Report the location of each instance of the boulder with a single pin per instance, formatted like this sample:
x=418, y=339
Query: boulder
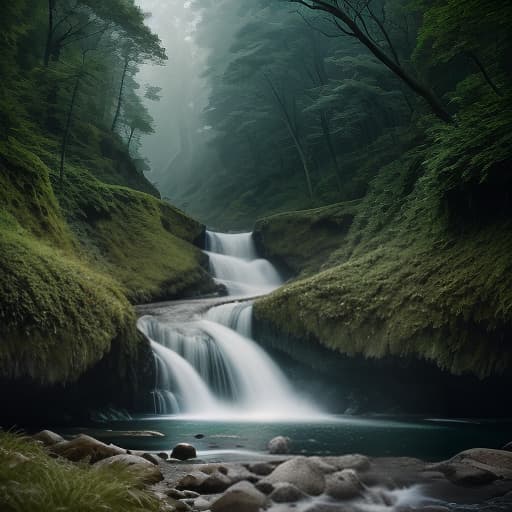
x=241, y=497
x=279, y=445
x=192, y=481
x=343, y=485
x=287, y=493
x=48, y=438
x=355, y=461
x=163, y=455
x=144, y=470
x=302, y=473
x=83, y=446
x=264, y=487
x=477, y=466
x=261, y=468
x=183, y=451
x=215, y=483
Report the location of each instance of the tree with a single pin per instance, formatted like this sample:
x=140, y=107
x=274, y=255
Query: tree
x=352, y=19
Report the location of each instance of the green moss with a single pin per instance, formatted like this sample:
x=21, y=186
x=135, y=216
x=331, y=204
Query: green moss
x=303, y=240
x=424, y=271
x=59, y=317
x=32, y=481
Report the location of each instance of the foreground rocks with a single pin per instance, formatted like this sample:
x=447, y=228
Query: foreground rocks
x=480, y=479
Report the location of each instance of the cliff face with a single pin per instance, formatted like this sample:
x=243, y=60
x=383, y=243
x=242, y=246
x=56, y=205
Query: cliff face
x=73, y=258
x=424, y=271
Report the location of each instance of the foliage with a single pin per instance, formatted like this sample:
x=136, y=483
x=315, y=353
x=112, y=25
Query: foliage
x=32, y=481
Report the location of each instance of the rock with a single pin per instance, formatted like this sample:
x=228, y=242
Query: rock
x=84, y=446
x=191, y=494
x=508, y=447
x=201, y=504
x=179, y=506
x=143, y=469
x=163, y=455
x=176, y=494
x=287, y=493
x=279, y=445
x=261, y=468
x=48, y=438
x=356, y=461
x=191, y=481
x=264, y=487
x=239, y=473
x=183, y=451
x=477, y=466
x=343, y=485
x=199, y=436
x=241, y=497
x=150, y=457
x=302, y=473
x=214, y=483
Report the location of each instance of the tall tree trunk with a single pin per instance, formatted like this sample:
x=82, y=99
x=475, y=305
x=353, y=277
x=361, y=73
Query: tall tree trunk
x=291, y=130
x=484, y=72
x=324, y=123
x=49, y=36
x=355, y=31
x=68, y=127
x=120, y=96
x=132, y=131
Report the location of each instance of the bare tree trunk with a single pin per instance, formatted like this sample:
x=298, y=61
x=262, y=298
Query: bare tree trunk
x=355, y=31
x=49, y=36
x=120, y=96
x=486, y=76
x=68, y=127
x=291, y=130
x=132, y=131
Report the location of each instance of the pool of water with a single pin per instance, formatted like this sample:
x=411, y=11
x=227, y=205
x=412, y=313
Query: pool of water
x=223, y=439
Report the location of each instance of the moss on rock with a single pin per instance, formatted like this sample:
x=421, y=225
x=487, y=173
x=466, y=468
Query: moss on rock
x=425, y=270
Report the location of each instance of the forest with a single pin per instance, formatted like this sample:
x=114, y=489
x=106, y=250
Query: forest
x=256, y=255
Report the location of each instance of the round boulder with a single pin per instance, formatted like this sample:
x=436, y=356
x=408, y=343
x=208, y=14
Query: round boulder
x=48, y=438
x=279, y=445
x=241, y=497
x=343, y=485
x=183, y=451
x=144, y=470
x=287, y=493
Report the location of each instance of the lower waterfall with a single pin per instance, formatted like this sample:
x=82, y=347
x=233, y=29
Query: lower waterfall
x=210, y=366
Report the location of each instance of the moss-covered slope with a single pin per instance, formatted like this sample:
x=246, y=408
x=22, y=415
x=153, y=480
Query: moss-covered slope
x=72, y=257
x=426, y=268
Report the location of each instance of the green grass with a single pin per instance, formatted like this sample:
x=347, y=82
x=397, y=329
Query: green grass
x=43, y=484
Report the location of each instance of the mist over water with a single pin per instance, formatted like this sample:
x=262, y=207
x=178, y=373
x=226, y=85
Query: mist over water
x=209, y=367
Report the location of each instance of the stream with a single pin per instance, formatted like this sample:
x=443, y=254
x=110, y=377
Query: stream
x=218, y=389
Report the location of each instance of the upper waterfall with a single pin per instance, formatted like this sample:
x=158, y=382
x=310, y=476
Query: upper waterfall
x=235, y=264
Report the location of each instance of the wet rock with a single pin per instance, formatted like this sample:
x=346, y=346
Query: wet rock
x=143, y=469
x=183, y=451
x=279, y=445
x=176, y=494
x=356, y=461
x=287, y=493
x=343, y=485
x=261, y=468
x=191, y=494
x=201, y=504
x=199, y=436
x=239, y=473
x=163, y=455
x=191, y=481
x=477, y=466
x=179, y=506
x=241, y=497
x=150, y=457
x=84, y=446
x=302, y=473
x=264, y=487
x=215, y=483
x=48, y=438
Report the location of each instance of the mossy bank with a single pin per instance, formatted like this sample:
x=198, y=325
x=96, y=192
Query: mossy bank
x=75, y=255
x=424, y=270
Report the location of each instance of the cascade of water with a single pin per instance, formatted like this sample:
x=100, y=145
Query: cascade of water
x=211, y=366
x=234, y=263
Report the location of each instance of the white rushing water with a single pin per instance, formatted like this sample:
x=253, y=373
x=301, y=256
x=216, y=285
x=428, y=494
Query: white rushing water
x=210, y=367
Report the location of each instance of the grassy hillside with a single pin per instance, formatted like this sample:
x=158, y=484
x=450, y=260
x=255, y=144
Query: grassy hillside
x=425, y=269
x=72, y=258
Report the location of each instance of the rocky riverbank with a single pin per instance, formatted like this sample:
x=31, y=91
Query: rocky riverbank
x=474, y=480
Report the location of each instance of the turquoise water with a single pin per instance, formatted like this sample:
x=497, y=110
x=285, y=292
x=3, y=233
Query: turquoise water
x=430, y=439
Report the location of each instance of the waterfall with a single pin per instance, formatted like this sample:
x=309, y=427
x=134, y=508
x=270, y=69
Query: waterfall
x=209, y=366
